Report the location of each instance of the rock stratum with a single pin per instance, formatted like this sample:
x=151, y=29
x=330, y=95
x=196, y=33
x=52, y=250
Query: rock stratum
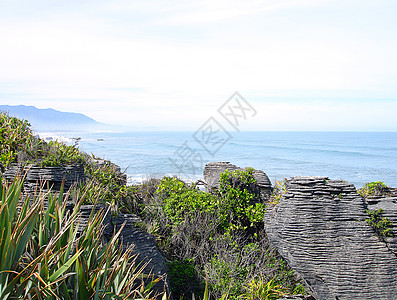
x=319, y=228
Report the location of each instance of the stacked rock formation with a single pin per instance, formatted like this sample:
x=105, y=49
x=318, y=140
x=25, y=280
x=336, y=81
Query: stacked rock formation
x=144, y=247
x=51, y=177
x=213, y=170
x=319, y=228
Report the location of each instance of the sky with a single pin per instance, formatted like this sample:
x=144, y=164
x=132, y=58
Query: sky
x=170, y=65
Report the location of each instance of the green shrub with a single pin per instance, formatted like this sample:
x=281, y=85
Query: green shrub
x=56, y=154
x=381, y=225
x=377, y=188
x=234, y=203
x=217, y=233
x=180, y=201
x=259, y=289
x=236, y=206
x=19, y=145
x=184, y=279
x=227, y=275
x=14, y=135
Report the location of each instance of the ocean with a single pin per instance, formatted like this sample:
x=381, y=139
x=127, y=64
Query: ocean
x=357, y=157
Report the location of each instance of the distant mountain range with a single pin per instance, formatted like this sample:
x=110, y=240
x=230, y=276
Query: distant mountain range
x=54, y=120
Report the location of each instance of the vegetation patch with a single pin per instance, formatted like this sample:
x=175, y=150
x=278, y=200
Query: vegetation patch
x=42, y=256
x=377, y=188
x=381, y=225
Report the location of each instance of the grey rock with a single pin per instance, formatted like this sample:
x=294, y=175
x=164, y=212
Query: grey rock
x=52, y=177
x=323, y=236
x=144, y=247
x=213, y=170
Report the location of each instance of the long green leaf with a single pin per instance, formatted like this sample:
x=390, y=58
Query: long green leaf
x=66, y=266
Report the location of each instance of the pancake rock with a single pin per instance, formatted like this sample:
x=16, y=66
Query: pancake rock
x=36, y=176
x=319, y=228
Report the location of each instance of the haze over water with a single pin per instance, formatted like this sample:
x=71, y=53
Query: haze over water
x=357, y=157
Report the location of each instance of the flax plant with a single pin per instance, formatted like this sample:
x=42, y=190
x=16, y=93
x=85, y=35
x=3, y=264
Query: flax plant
x=44, y=255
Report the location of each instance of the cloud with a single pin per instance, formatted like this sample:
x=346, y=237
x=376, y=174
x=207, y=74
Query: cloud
x=113, y=59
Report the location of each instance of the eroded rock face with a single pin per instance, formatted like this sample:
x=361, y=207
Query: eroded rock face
x=145, y=248
x=36, y=177
x=319, y=228
x=213, y=170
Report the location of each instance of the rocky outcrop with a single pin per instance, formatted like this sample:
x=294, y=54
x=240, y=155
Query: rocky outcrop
x=47, y=177
x=145, y=248
x=213, y=170
x=319, y=228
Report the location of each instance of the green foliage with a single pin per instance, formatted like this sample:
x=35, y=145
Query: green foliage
x=108, y=185
x=17, y=141
x=227, y=275
x=381, y=225
x=233, y=204
x=41, y=256
x=184, y=279
x=180, y=200
x=216, y=233
x=57, y=154
x=231, y=273
x=259, y=289
x=377, y=188
x=14, y=134
x=278, y=191
x=236, y=207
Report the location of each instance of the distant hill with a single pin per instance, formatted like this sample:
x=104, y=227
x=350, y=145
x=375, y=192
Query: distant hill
x=51, y=119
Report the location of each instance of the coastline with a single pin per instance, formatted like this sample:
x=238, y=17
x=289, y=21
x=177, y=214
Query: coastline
x=357, y=157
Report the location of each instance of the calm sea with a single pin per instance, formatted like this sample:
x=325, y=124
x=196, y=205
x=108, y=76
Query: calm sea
x=357, y=157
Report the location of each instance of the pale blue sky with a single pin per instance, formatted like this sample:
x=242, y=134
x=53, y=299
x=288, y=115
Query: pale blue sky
x=303, y=65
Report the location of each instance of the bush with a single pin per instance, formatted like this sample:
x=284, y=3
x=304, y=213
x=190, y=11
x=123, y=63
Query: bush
x=220, y=234
x=56, y=154
x=14, y=135
x=377, y=188
x=180, y=201
x=236, y=206
x=184, y=279
x=234, y=203
x=381, y=225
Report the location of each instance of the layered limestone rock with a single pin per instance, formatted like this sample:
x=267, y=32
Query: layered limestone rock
x=213, y=170
x=319, y=228
x=52, y=177
x=145, y=248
